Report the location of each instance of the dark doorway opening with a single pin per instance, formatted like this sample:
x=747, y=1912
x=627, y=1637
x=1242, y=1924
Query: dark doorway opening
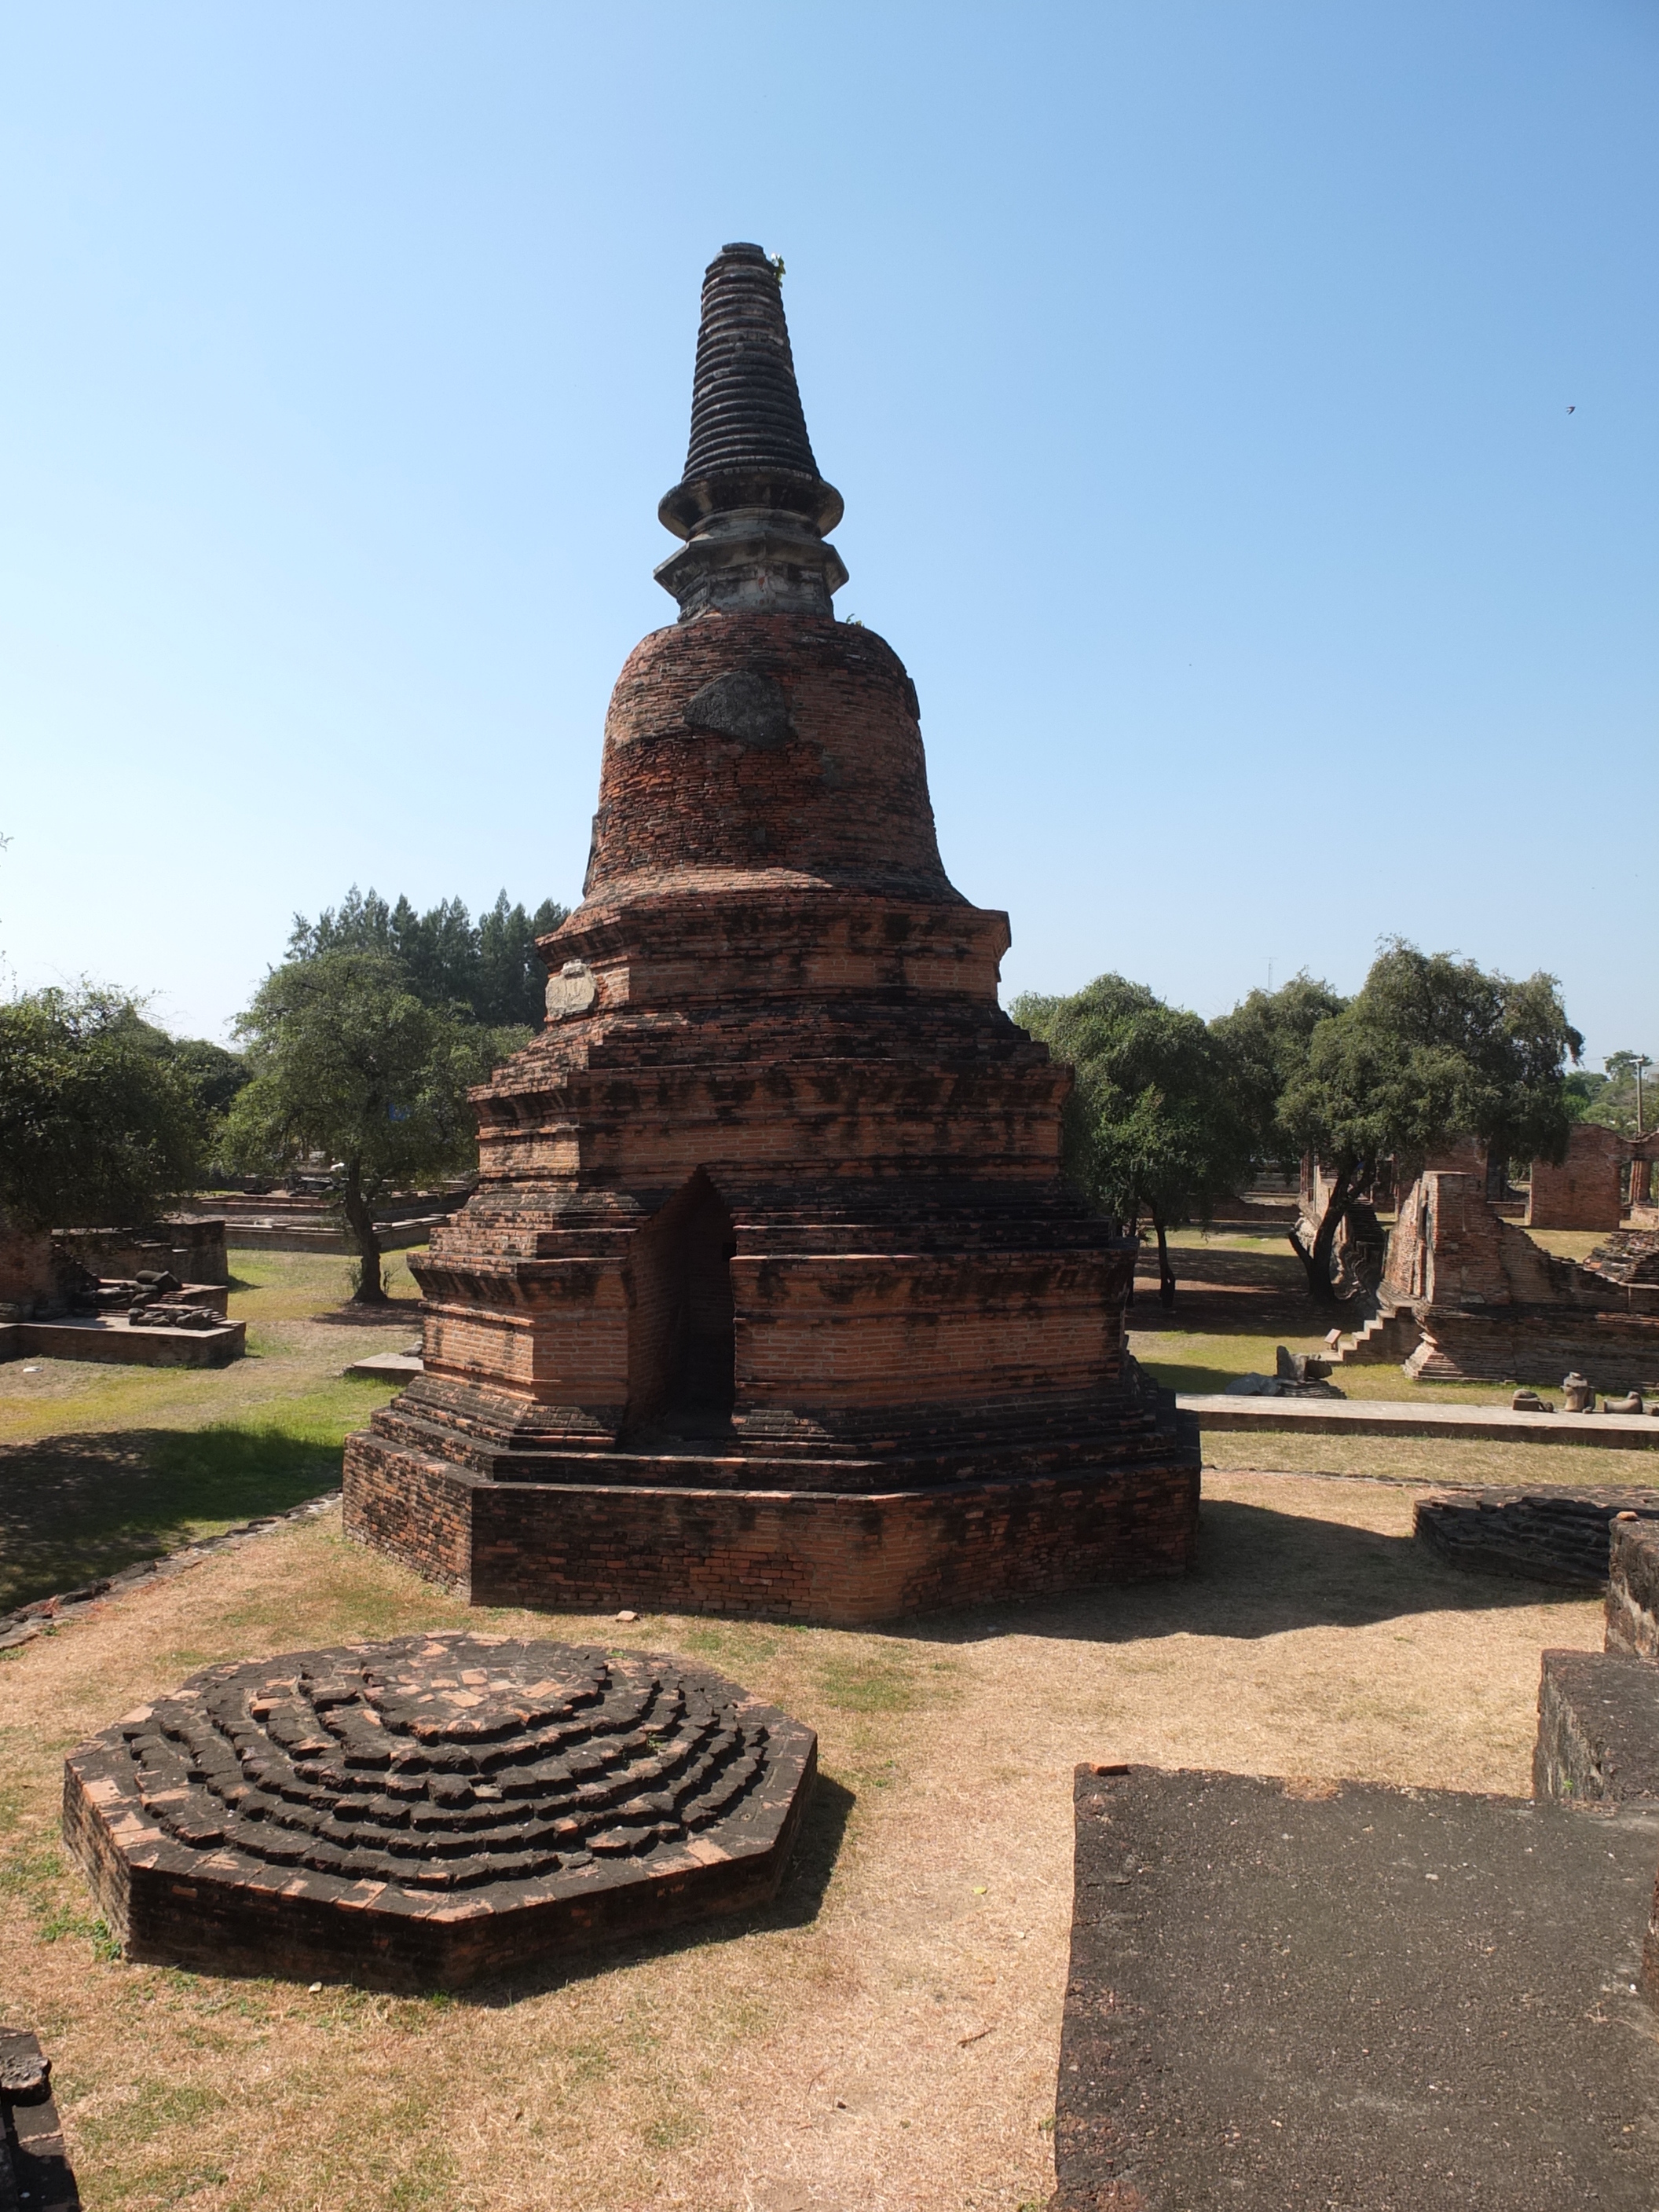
x=682, y=1342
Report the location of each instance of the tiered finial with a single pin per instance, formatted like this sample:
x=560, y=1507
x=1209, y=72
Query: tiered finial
x=752, y=507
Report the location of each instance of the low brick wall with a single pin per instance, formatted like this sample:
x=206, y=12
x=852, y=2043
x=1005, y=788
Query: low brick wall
x=844, y=1560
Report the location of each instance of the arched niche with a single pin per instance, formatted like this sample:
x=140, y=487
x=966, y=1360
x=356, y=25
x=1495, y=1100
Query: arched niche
x=680, y=1337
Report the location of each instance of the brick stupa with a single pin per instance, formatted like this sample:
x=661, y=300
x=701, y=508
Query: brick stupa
x=770, y=1299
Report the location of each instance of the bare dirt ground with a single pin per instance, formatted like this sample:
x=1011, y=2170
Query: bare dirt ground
x=884, y=2039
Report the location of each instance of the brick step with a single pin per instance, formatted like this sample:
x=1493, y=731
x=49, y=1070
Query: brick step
x=1089, y=1451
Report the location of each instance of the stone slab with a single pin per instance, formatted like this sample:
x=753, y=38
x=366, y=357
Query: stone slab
x=1306, y=1996
x=387, y=1367
x=1598, y=1729
x=1470, y=1424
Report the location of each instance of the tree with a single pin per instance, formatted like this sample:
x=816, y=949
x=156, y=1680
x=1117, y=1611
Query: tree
x=1264, y=1043
x=348, y=1061
x=1625, y=1102
x=1431, y=1051
x=490, y=967
x=1152, y=1125
x=98, y=1127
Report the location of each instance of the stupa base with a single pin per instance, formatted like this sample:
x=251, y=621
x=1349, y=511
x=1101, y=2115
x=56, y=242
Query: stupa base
x=584, y=1543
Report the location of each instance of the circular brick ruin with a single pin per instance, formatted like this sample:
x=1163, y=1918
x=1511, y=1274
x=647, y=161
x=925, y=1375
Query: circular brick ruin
x=421, y=1812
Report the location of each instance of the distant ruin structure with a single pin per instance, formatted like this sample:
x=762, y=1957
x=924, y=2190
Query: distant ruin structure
x=770, y=1299
x=1487, y=1303
x=1586, y=1190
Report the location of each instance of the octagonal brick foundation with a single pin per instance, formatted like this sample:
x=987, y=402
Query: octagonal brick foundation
x=423, y=1813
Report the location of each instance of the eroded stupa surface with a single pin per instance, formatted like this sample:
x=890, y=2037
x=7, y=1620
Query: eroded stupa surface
x=419, y=1813
x=771, y=1298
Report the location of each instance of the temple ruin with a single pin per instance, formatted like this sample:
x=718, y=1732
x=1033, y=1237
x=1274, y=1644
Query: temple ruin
x=770, y=1299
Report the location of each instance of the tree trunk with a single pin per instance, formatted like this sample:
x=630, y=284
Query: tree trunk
x=359, y=1220
x=1166, y=1282
x=1317, y=1262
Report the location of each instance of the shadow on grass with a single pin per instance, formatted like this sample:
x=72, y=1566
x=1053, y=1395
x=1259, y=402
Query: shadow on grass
x=1190, y=1381
x=75, y=1508
x=1259, y=1573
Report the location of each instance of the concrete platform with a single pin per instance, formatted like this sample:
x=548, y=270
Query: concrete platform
x=1329, y=1417
x=1290, y=1996
x=387, y=1367
x=115, y=1337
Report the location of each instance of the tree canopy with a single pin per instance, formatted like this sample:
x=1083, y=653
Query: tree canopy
x=1433, y=1049
x=350, y=1061
x=1153, y=1126
x=1264, y=1043
x=488, y=966
x=103, y=1120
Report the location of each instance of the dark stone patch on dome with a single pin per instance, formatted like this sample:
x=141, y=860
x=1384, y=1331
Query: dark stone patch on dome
x=745, y=705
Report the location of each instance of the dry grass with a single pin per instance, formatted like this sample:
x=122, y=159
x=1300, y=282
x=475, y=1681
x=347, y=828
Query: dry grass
x=886, y=2037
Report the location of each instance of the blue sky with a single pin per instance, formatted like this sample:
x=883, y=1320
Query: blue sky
x=1198, y=378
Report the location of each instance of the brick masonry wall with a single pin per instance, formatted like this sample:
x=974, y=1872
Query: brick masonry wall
x=1584, y=1192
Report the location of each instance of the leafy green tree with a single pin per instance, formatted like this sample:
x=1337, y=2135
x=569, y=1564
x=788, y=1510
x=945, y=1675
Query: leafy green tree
x=490, y=967
x=1624, y=1100
x=1153, y=1125
x=1264, y=1043
x=99, y=1129
x=1432, y=1050
x=348, y=1061
x=215, y=1074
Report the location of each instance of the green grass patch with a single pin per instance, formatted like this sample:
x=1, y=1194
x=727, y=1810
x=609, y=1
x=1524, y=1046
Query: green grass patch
x=74, y=1509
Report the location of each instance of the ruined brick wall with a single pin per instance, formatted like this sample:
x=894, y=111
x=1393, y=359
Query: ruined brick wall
x=29, y=1275
x=1585, y=1191
x=1450, y=1248
x=193, y=1249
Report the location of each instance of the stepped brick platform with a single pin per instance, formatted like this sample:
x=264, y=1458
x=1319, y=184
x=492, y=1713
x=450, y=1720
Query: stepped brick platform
x=770, y=1299
x=424, y=1813
x=1304, y=1995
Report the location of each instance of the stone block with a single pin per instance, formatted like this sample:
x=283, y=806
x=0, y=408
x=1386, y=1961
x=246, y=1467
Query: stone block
x=1598, y=1729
